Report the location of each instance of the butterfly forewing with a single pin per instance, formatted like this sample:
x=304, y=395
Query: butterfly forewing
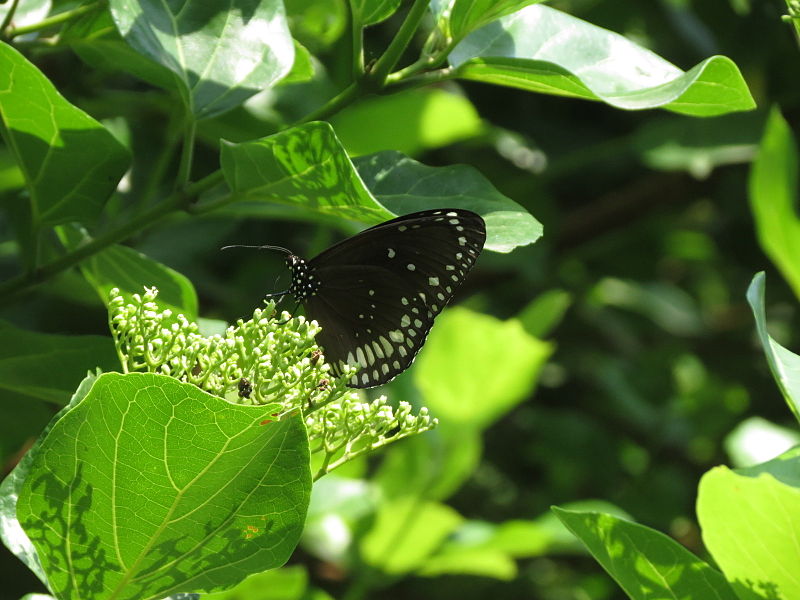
x=377, y=293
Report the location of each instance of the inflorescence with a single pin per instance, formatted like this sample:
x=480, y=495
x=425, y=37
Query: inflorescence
x=261, y=361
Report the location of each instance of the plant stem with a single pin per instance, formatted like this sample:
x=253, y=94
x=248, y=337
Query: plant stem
x=387, y=62
x=187, y=153
x=9, y=15
x=357, y=38
x=63, y=17
x=176, y=201
x=334, y=105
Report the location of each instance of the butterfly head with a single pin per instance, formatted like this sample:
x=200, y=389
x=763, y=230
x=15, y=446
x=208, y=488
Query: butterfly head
x=304, y=284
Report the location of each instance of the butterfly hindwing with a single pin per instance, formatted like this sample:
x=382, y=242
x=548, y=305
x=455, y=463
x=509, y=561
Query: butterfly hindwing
x=376, y=294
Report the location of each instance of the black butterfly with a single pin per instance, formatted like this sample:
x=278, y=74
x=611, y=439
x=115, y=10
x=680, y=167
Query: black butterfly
x=375, y=295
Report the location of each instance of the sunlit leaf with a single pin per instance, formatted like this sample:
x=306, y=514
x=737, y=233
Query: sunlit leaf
x=750, y=525
x=223, y=53
x=405, y=532
x=409, y=122
x=644, y=562
x=541, y=49
x=146, y=468
x=303, y=166
x=70, y=162
x=288, y=583
x=404, y=185
x=784, y=364
x=458, y=17
x=773, y=198
x=466, y=350
x=545, y=312
x=26, y=13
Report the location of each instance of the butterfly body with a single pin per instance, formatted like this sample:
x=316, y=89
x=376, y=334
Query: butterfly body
x=376, y=294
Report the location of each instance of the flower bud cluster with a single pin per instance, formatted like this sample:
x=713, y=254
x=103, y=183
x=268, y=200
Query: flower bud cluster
x=261, y=361
x=349, y=427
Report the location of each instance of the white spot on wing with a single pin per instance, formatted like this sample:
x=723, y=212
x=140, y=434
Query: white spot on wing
x=433, y=281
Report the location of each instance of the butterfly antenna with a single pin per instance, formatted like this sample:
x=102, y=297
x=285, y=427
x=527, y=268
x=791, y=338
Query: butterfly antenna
x=278, y=248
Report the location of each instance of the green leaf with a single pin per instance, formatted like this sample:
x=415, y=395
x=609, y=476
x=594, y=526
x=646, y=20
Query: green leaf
x=131, y=271
x=544, y=313
x=773, y=195
x=404, y=186
x=163, y=489
x=222, y=53
x=370, y=12
x=410, y=121
x=95, y=39
x=698, y=146
x=11, y=532
x=433, y=465
x=751, y=526
x=288, y=583
x=303, y=166
x=70, y=162
x=466, y=350
x=317, y=23
x=46, y=367
x=644, y=562
x=785, y=365
x=405, y=533
x=541, y=49
x=458, y=17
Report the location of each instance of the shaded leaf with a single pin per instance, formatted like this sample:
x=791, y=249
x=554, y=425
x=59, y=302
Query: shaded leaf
x=70, y=162
x=784, y=364
x=644, y=562
x=773, y=196
x=47, y=367
x=223, y=53
x=303, y=166
x=131, y=271
x=405, y=186
x=541, y=49
x=465, y=350
x=750, y=525
x=146, y=468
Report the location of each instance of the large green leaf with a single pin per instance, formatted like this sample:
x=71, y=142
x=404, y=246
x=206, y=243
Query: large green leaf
x=150, y=487
x=47, y=367
x=70, y=162
x=541, y=49
x=474, y=368
x=404, y=186
x=222, y=52
x=751, y=525
x=303, y=166
x=784, y=364
x=131, y=271
x=644, y=562
x=773, y=195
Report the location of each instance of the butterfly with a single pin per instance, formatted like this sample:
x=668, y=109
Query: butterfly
x=375, y=295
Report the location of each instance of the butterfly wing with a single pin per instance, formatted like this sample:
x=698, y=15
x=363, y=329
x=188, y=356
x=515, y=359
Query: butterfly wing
x=379, y=291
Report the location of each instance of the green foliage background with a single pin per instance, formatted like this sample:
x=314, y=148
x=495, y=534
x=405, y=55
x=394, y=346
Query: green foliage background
x=608, y=366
